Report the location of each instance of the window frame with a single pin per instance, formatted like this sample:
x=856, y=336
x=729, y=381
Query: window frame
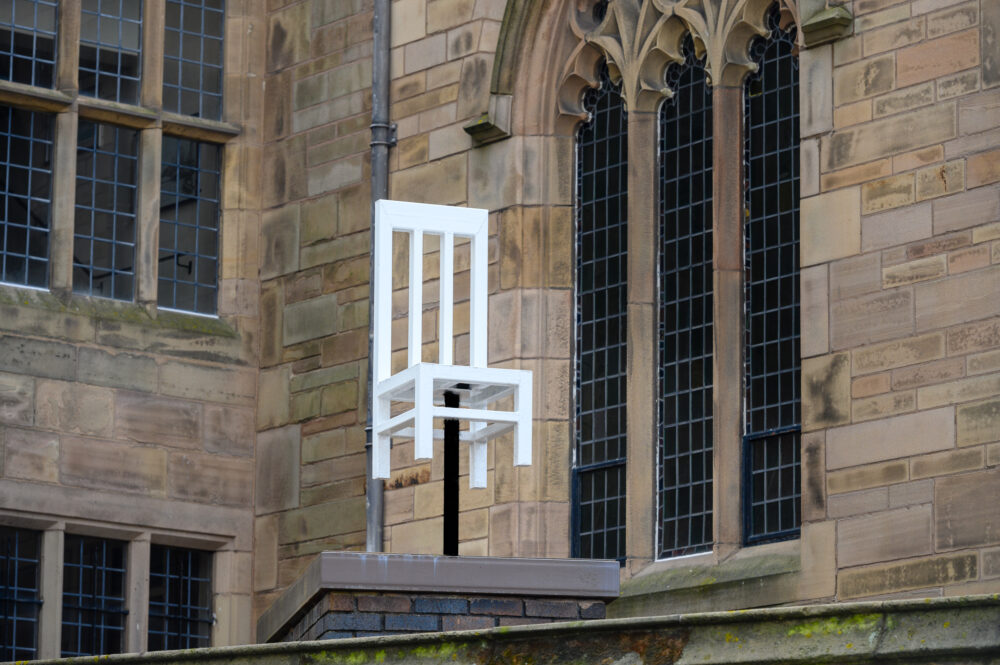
x=69, y=106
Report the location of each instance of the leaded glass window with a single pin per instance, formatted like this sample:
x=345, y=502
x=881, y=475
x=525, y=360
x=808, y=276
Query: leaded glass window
x=104, y=236
x=180, y=598
x=192, y=59
x=28, y=41
x=111, y=49
x=685, y=320
x=189, y=222
x=25, y=195
x=93, y=612
x=772, y=484
x=601, y=300
x=20, y=598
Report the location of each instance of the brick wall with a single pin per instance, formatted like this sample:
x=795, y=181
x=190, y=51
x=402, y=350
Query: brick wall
x=345, y=614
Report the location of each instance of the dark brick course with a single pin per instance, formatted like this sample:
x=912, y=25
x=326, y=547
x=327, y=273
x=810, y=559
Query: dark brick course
x=359, y=614
x=412, y=622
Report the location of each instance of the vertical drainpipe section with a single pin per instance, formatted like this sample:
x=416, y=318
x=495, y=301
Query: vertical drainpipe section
x=383, y=137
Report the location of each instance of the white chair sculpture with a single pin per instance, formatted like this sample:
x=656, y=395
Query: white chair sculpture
x=422, y=386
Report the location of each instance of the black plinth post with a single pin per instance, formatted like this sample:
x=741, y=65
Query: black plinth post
x=451, y=479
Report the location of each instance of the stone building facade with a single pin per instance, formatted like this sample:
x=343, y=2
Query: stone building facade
x=236, y=427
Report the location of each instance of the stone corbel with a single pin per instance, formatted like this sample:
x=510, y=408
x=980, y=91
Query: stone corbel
x=824, y=21
x=494, y=125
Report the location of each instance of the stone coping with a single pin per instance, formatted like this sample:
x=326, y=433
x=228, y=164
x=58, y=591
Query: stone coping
x=959, y=629
x=467, y=575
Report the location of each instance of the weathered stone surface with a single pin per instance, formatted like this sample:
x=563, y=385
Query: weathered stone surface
x=911, y=494
x=864, y=78
x=890, y=438
x=880, y=138
x=210, y=479
x=971, y=258
x=958, y=299
x=116, y=370
x=926, y=374
x=815, y=311
x=984, y=168
x=312, y=522
x=273, y=401
x=853, y=175
x=881, y=406
x=965, y=511
x=112, y=466
x=816, y=90
x=229, y=430
x=280, y=242
x=957, y=85
x=903, y=100
x=940, y=180
x=37, y=358
x=442, y=181
x=977, y=336
x=858, y=503
x=911, y=272
x=893, y=36
x=990, y=21
x=978, y=422
x=265, y=563
x=148, y=418
x=898, y=353
x=894, y=534
x=897, y=226
x=215, y=384
x=31, y=455
x=872, y=318
x=856, y=276
x=972, y=208
x=887, y=193
x=310, y=319
x=73, y=407
x=872, y=475
x=826, y=385
x=937, y=57
x=914, y=574
x=873, y=384
x=830, y=226
x=17, y=399
x=277, y=466
x=946, y=463
x=963, y=390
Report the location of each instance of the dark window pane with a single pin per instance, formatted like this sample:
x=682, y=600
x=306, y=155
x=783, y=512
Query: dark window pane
x=192, y=60
x=601, y=291
x=19, y=593
x=25, y=195
x=111, y=50
x=771, y=448
x=180, y=598
x=104, y=247
x=685, y=321
x=93, y=621
x=189, y=209
x=28, y=41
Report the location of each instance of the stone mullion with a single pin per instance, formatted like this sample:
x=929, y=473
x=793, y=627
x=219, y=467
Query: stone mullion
x=154, y=18
x=50, y=614
x=137, y=599
x=63, y=198
x=727, y=281
x=68, y=51
x=642, y=339
x=148, y=216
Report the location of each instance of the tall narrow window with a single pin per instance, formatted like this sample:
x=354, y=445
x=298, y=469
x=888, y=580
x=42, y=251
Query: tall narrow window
x=685, y=408
x=20, y=599
x=772, y=421
x=189, y=222
x=93, y=611
x=104, y=238
x=180, y=598
x=601, y=302
x=25, y=195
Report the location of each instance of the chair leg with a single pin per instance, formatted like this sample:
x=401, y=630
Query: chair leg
x=423, y=421
x=522, y=439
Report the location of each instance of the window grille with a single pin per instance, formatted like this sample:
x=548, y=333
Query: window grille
x=685, y=321
x=104, y=238
x=111, y=49
x=772, y=484
x=25, y=195
x=601, y=301
x=93, y=620
x=192, y=61
x=20, y=599
x=189, y=220
x=180, y=598
x=28, y=42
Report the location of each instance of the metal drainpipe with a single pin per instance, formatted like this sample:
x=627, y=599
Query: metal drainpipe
x=383, y=137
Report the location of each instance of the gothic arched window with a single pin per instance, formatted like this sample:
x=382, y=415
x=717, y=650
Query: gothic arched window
x=602, y=298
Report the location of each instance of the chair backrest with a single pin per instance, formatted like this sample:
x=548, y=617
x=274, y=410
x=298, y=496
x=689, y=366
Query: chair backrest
x=418, y=219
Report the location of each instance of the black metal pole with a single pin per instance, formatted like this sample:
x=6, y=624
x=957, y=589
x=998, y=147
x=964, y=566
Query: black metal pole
x=450, y=530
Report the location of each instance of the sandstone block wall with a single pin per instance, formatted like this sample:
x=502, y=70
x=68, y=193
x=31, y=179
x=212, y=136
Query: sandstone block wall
x=900, y=282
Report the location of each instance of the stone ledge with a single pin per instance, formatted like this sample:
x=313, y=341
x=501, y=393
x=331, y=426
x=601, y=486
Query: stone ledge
x=959, y=630
x=564, y=578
